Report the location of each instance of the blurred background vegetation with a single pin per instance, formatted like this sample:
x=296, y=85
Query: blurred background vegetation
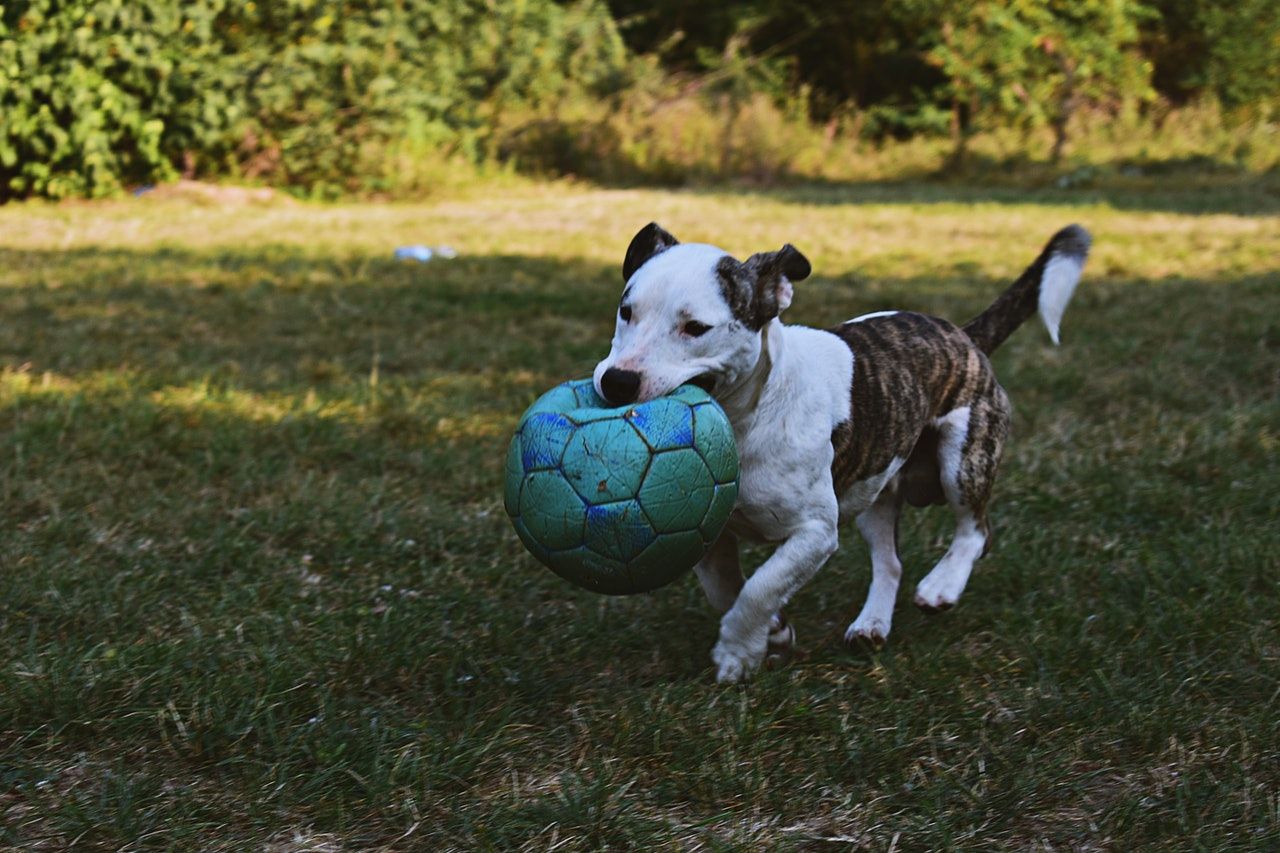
x=402, y=98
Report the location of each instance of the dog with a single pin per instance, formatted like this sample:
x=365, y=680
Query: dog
x=831, y=424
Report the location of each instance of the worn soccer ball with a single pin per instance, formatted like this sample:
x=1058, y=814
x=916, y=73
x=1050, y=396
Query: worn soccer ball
x=625, y=499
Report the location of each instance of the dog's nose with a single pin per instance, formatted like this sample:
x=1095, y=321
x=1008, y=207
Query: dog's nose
x=620, y=386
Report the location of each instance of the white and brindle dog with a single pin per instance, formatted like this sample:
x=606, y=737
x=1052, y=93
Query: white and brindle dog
x=835, y=424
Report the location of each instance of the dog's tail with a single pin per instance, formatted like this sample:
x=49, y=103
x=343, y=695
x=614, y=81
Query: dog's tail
x=1047, y=285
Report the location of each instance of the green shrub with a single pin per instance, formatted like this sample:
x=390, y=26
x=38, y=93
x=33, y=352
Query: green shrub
x=313, y=93
x=334, y=94
x=96, y=94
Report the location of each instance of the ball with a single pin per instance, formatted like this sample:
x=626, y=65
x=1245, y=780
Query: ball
x=621, y=499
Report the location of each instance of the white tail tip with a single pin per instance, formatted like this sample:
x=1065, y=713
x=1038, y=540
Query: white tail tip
x=1061, y=275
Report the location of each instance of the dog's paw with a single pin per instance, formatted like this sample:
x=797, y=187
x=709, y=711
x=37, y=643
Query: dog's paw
x=932, y=604
x=938, y=591
x=737, y=658
x=867, y=633
x=733, y=666
x=934, y=598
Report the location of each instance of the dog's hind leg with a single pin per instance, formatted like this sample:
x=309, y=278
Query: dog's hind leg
x=720, y=574
x=878, y=525
x=970, y=441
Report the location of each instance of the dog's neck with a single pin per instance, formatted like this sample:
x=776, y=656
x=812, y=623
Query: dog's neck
x=743, y=397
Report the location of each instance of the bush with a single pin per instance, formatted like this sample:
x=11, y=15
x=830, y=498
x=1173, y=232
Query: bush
x=95, y=94
x=310, y=93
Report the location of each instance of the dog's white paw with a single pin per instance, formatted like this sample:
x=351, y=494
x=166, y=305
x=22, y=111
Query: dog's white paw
x=736, y=659
x=732, y=667
x=936, y=594
x=868, y=631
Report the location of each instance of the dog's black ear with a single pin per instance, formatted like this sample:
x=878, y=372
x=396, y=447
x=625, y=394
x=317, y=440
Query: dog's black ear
x=649, y=241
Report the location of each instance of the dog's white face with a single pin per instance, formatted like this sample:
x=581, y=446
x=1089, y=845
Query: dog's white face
x=691, y=313
x=674, y=326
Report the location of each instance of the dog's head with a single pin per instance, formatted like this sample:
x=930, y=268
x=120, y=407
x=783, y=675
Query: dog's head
x=691, y=313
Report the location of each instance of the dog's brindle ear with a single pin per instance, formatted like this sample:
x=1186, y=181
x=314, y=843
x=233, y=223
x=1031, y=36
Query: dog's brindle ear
x=649, y=241
x=759, y=289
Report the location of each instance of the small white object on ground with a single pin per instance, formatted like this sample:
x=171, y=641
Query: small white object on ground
x=422, y=254
x=418, y=253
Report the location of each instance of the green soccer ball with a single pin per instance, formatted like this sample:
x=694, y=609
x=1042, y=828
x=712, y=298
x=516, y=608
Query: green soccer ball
x=623, y=499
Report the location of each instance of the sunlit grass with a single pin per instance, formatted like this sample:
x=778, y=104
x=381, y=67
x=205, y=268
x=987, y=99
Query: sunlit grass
x=258, y=588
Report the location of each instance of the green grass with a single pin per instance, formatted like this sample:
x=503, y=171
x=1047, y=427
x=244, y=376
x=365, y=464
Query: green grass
x=258, y=588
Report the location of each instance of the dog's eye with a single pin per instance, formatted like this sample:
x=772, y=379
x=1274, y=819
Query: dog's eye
x=694, y=329
x=625, y=313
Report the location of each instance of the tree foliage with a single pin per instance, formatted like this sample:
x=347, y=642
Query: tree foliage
x=875, y=55
x=1230, y=51
x=1033, y=63
x=338, y=95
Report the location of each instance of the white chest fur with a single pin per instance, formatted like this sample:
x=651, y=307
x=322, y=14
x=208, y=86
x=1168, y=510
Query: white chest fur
x=784, y=440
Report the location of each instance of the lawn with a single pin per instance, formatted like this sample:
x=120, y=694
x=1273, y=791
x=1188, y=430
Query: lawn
x=259, y=592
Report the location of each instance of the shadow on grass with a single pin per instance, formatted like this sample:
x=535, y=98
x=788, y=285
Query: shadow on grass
x=279, y=318
x=276, y=323
x=1195, y=193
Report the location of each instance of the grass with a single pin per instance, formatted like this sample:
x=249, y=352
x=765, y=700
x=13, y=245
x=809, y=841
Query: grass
x=258, y=590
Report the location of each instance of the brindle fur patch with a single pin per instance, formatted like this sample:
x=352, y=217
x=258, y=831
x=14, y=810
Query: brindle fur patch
x=751, y=287
x=908, y=370
x=738, y=289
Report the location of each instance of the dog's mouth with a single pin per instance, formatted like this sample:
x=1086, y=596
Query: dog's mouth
x=705, y=381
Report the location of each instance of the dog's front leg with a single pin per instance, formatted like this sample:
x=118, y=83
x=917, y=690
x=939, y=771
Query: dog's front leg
x=744, y=630
x=720, y=574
